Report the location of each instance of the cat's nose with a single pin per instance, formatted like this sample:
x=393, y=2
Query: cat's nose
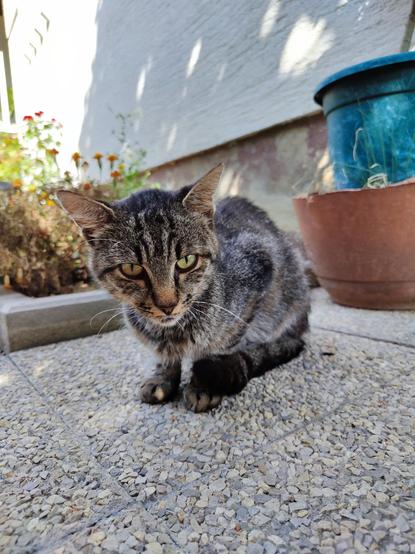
x=165, y=300
x=167, y=308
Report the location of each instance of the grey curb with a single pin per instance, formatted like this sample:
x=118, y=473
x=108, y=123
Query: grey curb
x=26, y=322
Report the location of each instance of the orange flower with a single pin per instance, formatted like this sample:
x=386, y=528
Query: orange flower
x=97, y=156
x=50, y=202
x=53, y=152
x=76, y=156
x=115, y=174
x=28, y=118
x=112, y=158
x=16, y=183
x=87, y=186
x=38, y=114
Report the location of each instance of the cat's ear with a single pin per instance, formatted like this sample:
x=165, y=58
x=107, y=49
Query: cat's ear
x=91, y=215
x=200, y=197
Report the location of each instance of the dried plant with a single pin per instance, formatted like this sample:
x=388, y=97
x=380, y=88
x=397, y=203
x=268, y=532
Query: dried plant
x=41, y=251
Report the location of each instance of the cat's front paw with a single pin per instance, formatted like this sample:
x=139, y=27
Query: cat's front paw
x=157, y=389
x=200, y=400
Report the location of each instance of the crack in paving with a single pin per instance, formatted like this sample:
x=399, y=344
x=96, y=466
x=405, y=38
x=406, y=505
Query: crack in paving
x=363, y=336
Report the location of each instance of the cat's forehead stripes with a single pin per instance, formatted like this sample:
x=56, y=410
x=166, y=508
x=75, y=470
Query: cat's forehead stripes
x=171, y=243
x=155, y=235
x=141, y=239
x=143, y=251
x=163, y=236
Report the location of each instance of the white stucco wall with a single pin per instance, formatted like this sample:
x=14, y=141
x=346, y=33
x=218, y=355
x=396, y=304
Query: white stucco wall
x=52, y=49
x=199, y=73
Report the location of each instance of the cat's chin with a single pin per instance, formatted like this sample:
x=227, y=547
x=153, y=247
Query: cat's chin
x=168, y=321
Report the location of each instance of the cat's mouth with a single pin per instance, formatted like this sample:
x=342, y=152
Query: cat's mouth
x=158, y=317
x=167, y=320
x=162, y=319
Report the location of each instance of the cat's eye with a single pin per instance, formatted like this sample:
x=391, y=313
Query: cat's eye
x=131, y=270
x=187, y=262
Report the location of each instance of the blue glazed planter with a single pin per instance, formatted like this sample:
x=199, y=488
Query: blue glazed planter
x=370, y=112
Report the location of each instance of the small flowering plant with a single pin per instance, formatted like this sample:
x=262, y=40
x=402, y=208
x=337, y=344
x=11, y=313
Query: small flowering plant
x=119, y=174
x=28, y=159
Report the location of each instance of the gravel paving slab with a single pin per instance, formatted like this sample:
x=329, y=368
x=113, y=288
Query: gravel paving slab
x=95, y=378
x=131, y=530
x=316, y=456
x=344, y=484
x=49, y=484
x=95, y=388
x=392, y=326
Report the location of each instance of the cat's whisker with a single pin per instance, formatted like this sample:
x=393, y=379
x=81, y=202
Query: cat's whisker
x=106, y=240
x=200, y=312
x=221, y=308
x=110, y=319
x=196, y=310
x=113, y=243
x=102, y=312
x=190, y=312
x=205, y=315
x=180, y=325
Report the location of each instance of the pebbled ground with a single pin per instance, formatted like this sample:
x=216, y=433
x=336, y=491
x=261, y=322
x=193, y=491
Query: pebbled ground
x=316, y=456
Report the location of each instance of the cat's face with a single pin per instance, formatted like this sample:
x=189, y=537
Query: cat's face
x=153, y=250
x=157, y=259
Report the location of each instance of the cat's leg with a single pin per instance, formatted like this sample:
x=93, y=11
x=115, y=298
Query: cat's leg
x=212, y=378
x=163, y=384
x=220, y=375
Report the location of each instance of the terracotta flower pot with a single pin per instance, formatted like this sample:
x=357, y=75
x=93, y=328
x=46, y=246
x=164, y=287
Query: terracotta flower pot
x=361, y=244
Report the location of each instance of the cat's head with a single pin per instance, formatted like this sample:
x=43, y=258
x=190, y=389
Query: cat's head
x=153, y=250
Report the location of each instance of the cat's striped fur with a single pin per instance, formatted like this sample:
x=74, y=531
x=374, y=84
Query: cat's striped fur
x=242, y=311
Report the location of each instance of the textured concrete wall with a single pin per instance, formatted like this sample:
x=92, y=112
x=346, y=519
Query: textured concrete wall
x=269, y=167
x=199, y=73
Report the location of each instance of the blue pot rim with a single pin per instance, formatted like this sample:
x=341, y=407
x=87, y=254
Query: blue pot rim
x=375, y=63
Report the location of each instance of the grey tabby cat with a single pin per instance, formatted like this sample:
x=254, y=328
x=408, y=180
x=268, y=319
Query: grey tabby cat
x=226, y=288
